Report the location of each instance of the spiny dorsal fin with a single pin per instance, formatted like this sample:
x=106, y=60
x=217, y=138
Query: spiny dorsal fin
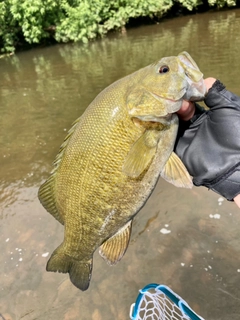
x=114, y=248
x=63, y=146
x=46, y=192
x=176, y=173
x=141, y=153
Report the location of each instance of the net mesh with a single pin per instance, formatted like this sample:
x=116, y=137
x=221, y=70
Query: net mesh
x=154, y=304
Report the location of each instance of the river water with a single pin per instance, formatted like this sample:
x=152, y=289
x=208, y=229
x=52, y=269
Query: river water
x=42, y=92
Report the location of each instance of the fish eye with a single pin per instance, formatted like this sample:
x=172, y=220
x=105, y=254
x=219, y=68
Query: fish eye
x=164, y=69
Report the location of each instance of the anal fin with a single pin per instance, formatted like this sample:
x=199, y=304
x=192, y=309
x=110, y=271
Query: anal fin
x=114, y=248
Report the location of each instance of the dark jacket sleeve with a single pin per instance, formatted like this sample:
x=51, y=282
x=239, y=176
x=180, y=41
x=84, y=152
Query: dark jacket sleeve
x=210, y=144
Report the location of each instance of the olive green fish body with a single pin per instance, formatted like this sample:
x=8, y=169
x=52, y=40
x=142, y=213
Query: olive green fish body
x=90, y=185
x=110, y=163
x=93, y=161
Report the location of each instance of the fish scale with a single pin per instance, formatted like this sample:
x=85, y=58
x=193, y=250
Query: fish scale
x=111, y=160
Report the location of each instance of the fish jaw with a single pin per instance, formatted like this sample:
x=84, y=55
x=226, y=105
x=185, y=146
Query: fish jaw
x=173, y=104
x=196, y=88
x=156, y=107
x=165, y=120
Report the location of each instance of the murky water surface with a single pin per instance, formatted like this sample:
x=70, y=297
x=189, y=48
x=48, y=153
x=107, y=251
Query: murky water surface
x=42, y=92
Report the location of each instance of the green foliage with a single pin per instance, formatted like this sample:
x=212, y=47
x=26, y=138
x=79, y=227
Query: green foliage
x=222, y=3
x=191, y=4
x=73, y=20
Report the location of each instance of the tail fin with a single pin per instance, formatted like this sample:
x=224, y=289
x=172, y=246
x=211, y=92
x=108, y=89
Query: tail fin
x=79, y=271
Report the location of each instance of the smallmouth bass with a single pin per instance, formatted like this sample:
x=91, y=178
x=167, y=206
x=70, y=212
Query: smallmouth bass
x=111, y=160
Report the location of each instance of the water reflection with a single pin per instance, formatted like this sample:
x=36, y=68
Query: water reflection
x=42, y=92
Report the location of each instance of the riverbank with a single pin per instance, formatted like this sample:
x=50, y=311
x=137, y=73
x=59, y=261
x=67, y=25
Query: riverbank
x=28, y=24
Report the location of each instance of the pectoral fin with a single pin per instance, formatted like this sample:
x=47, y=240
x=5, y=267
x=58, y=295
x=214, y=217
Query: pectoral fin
x=176, y=173
x=114, y=248
x=141, y=153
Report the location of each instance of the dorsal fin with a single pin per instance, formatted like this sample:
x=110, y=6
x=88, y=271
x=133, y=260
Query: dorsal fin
x=63, y=146
x=46, y=192
x=46, y=196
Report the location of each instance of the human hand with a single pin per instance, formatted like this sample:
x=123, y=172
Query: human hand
x=213, y=165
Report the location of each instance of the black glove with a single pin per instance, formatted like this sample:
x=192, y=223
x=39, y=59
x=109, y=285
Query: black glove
x=209, y=144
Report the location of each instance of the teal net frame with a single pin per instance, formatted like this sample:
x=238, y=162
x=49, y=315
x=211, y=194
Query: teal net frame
x=159, y=302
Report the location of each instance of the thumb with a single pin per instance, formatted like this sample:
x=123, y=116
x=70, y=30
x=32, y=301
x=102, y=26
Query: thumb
x=187, y=110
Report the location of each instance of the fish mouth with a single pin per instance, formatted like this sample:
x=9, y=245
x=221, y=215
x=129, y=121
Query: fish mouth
x=196, y=92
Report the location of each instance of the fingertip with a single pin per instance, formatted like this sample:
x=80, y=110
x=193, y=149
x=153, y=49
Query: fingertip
x=209, y=82
x=237, y=200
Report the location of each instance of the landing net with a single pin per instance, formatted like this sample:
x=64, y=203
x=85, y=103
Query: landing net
x=158, y=302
